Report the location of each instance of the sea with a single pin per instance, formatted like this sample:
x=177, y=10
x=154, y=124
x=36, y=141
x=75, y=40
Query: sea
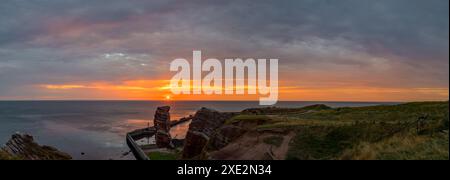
x=96, y=129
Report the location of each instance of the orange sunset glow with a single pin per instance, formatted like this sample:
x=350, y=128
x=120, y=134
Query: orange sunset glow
x=160, y=90
x=370, y=53
x=221, y=80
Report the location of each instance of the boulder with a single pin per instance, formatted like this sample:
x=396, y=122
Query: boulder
x=194, y=144
x=224, y=135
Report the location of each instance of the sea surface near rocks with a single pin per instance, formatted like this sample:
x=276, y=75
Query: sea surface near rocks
x=96, y=129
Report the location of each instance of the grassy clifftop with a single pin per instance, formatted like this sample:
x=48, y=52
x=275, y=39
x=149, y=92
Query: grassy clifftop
x=405, y=131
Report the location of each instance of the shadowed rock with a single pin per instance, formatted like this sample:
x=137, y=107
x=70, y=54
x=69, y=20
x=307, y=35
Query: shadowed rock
x=162, y=125
x=22, y=146
x=202, y=128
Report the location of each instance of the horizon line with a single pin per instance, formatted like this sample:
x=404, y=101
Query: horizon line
x=142, y=100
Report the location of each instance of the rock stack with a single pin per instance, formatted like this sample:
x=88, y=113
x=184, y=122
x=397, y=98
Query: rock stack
x=162, y=125
x=202, y=128
x=22, y=146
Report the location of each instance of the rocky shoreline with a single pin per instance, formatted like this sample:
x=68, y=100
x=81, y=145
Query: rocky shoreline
x=310, y=133
x=23, y=147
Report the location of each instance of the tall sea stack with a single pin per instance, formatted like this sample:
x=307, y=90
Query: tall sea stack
x=162, y=125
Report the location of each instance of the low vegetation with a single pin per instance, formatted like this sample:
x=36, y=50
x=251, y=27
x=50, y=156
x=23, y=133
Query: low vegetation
x=157, y=155
x=405, y=131
x=244, y=118
x=402, y=147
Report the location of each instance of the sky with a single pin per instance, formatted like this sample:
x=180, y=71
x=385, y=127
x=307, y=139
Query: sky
x=346, y=50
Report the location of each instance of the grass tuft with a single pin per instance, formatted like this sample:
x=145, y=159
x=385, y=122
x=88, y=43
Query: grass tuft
x=162, y=156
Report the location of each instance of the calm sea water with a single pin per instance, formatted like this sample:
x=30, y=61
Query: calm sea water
x=98, y=128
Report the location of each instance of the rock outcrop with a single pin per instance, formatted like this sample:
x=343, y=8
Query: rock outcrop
x=22, y=146
x=224, y=135
x=202, y=130
x=162, y=125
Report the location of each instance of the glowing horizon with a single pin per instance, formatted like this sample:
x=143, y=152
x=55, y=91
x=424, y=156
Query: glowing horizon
x=387, y=51
x=158, y=90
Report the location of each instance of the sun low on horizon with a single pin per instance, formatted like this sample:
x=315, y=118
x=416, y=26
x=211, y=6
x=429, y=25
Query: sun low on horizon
x=376, y=51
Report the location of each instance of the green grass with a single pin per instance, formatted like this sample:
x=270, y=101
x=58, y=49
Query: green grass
x=274, y=140
x=162, y=156
x=403, y=148
x=373, y=125
x=284, y=111
x=387, y=132
x=258, y=119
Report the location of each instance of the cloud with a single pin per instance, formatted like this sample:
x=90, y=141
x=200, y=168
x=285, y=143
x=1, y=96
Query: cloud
x=386, y=43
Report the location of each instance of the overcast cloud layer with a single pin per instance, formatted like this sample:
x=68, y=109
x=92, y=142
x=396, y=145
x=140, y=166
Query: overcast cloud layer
x=322, y=43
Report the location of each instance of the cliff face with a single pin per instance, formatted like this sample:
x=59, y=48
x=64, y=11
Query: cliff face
x=22, y=146
x=203, y=130
x=216, y=135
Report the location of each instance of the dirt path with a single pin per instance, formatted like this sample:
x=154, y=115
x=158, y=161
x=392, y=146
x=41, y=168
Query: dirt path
x=252, y=147
x=281, y=152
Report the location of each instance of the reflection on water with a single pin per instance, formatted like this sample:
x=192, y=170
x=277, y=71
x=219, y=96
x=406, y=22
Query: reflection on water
x=97, y=129
x=177, y=132
x=139, y=122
